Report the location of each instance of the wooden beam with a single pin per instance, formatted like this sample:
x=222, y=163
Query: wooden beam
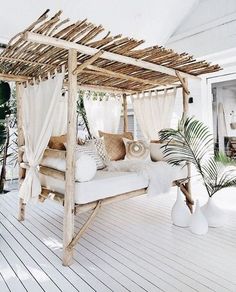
x=186, y=93
x=20, y=142
x=25, y=61
x=49, y=194
x=125, y=112
x=57, y=174
x=68, y=220
x=54, y=153
x=108, y=89
x=51, y=41
x=88, y=62
x=90, y=206
x=16, y=78
x=84, y=227
x=118, y=75
x=183, y=83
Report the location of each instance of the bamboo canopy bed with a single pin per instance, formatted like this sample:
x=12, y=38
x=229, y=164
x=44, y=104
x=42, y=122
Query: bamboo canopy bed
x=97, y=61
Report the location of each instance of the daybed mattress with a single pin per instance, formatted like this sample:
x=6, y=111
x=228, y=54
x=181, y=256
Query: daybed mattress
x=104, y=184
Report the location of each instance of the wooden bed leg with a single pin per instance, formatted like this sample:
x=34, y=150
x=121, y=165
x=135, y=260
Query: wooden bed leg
x=21, y=215
x=68, y=219
x=84, y=227
x=20, y=142
x=125, y=109
x=186, y=188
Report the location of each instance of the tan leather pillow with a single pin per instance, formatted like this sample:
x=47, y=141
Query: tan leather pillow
x=57, y=142
x=114, y=144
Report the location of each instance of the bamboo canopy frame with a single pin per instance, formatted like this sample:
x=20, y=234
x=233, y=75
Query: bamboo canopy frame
x=93, y=60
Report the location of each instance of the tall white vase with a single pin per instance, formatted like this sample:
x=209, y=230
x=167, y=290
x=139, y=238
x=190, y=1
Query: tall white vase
x=180, y=213
x=215, y=216
x=198, y=222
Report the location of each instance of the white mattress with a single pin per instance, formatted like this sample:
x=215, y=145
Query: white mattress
x=104, y=184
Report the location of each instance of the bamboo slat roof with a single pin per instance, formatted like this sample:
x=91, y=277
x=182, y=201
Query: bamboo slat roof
x=26, y=59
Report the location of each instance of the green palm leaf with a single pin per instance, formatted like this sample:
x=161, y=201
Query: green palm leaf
x=193, y=143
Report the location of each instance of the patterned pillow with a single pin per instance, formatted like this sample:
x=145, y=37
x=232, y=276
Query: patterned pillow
x=114, y=144
x=101, y=149
x=136, y=150
x=90, y=149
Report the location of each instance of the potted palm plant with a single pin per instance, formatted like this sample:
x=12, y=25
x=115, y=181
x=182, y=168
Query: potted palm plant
x=193, y=143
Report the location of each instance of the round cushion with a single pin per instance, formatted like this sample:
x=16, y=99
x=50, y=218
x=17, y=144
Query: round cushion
x=136, y=149
x=85, y=168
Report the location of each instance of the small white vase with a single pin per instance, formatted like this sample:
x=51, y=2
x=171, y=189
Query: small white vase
x=180, y=213
x=198, y=222
x=215, y=216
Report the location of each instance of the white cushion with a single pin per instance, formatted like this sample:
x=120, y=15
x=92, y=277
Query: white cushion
x=85, y=168
x=105, y=184
x=156, y=151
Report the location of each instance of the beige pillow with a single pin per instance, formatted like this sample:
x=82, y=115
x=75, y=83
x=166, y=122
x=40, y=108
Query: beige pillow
x=57, y=142
x=114, y=144
x=156, y=151
x=136, y=150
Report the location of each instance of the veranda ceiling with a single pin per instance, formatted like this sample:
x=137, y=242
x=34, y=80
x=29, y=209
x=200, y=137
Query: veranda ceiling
x=26, y=59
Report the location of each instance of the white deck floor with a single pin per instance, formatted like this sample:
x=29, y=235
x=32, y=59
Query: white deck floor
x=131, y=246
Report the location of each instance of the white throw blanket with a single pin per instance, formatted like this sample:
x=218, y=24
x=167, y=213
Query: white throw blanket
x=160, y=174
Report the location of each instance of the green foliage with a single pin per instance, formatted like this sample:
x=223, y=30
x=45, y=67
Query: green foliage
x=192, y=142
x=5, y=94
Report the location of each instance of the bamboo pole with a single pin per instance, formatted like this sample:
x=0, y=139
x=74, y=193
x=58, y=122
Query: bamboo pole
x=68, y=220
x=20, y=142
x=125, y=110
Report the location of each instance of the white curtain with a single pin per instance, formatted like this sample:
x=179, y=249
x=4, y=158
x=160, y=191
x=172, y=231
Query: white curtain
x=39, y=112
x=103, y=115
x=153, y=111
x=60, y=123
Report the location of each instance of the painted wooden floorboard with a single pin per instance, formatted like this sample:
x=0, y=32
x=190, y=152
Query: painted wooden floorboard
x=131, y=246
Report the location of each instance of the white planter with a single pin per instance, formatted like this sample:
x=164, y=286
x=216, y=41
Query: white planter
x=198, y=222
x=215, y=216
x=180, y=213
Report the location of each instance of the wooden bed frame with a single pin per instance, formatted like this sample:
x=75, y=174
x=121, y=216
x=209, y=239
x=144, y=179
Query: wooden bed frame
x=47, y=45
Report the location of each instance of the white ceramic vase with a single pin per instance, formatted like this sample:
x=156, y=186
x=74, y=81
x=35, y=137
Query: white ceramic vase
x=198, y=222
x=215, y=216
x=180, y=213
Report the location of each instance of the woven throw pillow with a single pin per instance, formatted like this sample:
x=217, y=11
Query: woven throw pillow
x=90, y=149
x=114, y=144
x=101, y=149
x=136, y=150
x=57, y=142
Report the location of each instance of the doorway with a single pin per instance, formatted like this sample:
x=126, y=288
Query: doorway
x=224, y=116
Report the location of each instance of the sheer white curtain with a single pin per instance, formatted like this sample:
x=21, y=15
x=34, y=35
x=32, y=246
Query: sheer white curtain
x=103, y=115
x=60, y=123
x=39, y=111
x=153, y=111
